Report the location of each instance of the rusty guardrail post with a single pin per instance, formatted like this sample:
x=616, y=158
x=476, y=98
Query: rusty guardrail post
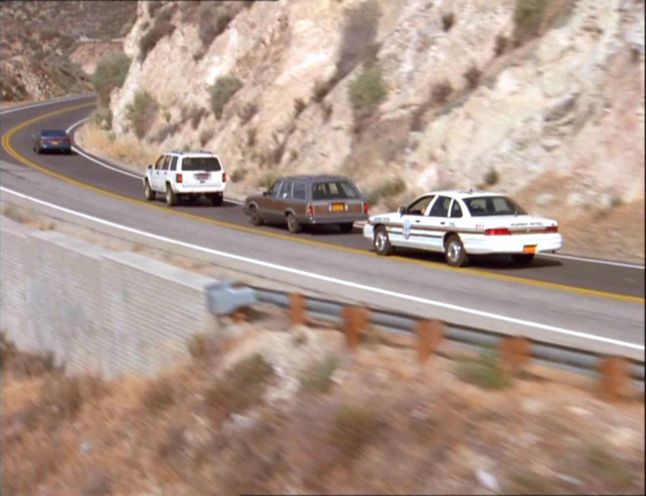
x=297, y=314
x=429, y=336
x=614, y=379
x=355, y=321
x=515, y=352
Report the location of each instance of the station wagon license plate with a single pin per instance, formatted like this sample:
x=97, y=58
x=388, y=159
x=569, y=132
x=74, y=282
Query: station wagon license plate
x=56, y=142
x=529, y=249
x=337, y=207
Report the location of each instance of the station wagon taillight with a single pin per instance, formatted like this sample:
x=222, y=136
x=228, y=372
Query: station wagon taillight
x=498, y=231
x=552, y=229
x=310, y=210
x=179, y=178
x=365, y=208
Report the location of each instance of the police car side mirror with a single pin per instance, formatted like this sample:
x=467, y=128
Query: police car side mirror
x=402, y=210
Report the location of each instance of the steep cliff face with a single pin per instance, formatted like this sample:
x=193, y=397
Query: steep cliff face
x=546, y=104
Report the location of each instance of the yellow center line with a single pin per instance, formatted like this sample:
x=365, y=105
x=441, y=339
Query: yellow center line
x=6, y=143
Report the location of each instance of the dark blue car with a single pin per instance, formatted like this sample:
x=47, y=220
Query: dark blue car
x=52, y=140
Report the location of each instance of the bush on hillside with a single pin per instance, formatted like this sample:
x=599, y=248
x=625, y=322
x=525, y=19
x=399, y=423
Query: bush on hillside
x=367, y=91
x=528, y=17
x=358, y=37
x=141, y=112
x=161, y=28
x=222, y=91
x=110, y=73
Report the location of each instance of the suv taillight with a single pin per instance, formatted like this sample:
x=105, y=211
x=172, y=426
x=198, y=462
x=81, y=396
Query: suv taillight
x=179, y=178
x=310, y=210
x=552, y=229
x=224, y=177
x=498, y=231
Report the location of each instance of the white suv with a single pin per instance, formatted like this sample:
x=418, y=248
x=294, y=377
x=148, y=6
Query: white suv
x=186, y=174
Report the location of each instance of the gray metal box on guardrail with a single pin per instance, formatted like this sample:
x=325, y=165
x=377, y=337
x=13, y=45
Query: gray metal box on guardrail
x=224, y=299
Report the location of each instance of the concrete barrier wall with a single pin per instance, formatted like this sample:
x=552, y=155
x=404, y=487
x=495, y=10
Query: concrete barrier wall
x=96, y=310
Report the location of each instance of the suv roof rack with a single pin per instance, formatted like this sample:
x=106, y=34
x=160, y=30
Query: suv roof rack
x=184, y=152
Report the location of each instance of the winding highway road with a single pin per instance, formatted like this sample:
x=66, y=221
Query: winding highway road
x=592, y=304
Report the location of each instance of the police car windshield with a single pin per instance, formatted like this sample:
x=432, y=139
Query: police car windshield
x=482, y=206
x=210, y=164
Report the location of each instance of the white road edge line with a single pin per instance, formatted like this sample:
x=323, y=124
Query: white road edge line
x=82, y=152
x=340, y=282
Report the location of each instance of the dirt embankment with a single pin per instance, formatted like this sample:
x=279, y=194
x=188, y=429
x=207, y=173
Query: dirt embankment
x=274, y=409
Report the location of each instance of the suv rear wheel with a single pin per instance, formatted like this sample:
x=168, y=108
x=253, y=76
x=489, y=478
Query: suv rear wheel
x=148, y=191
x=216, y=199
x=292, y=223
x=171, y=197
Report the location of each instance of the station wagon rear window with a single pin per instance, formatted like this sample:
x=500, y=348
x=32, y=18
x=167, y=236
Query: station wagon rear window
x=482, y=206
x=210, y=164
x=334, y=190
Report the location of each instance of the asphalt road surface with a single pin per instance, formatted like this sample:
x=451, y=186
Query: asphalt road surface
x=571, y=300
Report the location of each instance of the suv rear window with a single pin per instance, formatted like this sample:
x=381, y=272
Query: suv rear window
x=332, y=190
x=210, y=164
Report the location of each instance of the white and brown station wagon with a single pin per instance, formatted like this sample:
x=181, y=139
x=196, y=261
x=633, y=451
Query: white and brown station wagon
x=308, y=200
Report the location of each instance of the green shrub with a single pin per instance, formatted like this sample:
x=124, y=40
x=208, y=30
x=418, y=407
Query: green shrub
x=485, y=371
x=141, y=112
x=387, y=189
x=367, y=90
x=222, y=91
x=161, y=28
x=448, y=20
x=206, y=135
x=267, y=180
x=492, y=177
x=239, y=174
x=501, y=45
x=441, y=92
x=102, y=116
x=358, y=37
x=242, y=386
x=318, y=378
x=604, y=463
x=528, y=17
x=473, y=75
x=110, y=73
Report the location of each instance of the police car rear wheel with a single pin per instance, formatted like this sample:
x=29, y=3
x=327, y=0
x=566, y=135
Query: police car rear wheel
x=454, y=252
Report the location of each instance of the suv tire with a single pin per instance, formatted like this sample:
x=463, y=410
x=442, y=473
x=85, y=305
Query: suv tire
x=148, y=191
x=171, y=197
x=454, y=253
x=292, y=224
x=217, y=198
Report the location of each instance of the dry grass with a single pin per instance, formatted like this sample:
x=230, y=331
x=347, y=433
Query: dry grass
x=318, y=378
x=126, y=150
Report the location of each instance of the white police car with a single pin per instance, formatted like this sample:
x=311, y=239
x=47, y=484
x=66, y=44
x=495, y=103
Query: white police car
x=460, y=224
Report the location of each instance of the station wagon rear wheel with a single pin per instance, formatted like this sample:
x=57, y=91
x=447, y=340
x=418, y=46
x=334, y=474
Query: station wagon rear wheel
x=381, y=242
x=148, y=191
x=292, y=223
x=454, y=252
x=254, y=216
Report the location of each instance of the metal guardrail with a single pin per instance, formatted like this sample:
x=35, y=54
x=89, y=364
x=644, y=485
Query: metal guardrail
x=568, y=358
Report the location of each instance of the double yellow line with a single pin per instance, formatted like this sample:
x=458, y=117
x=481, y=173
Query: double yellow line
x=6, y=143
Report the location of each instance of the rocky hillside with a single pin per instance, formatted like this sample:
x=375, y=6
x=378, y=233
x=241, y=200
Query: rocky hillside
x=41, y=62
x=543, y=99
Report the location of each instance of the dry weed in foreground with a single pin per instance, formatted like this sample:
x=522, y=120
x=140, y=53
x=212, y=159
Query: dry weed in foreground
x=484, y=371
x=241, y=387
x=318, y=378
x=353, y=427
